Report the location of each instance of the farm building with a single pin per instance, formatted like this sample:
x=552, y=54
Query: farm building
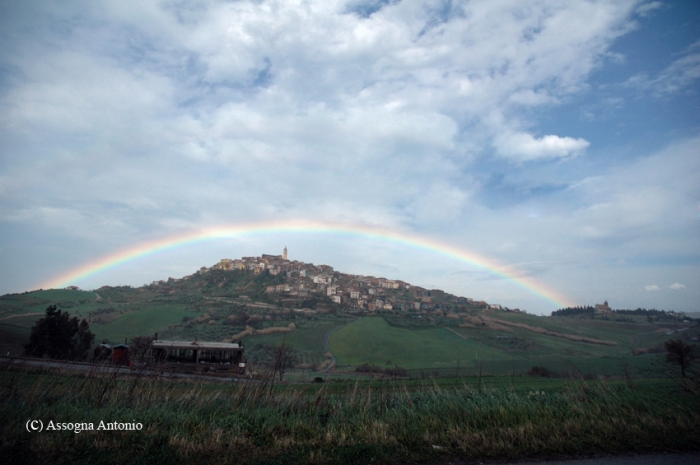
x=202, y=356
x=120, y=354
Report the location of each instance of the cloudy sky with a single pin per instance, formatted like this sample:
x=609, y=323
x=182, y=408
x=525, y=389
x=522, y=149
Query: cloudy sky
x=559, y=139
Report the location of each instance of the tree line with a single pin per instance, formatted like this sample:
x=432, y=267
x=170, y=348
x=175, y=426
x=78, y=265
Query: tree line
x=651, y=313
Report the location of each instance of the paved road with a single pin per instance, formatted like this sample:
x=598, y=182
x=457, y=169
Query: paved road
x=690, y=458
x=78, y=366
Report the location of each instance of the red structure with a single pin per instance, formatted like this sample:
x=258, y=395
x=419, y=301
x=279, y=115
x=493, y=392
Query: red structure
x=120, y=354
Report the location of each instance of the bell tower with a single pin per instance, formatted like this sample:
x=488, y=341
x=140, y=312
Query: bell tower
x=284, y=254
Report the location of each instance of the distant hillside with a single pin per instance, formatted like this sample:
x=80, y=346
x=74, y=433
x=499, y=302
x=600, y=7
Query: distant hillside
x=366, y=322
x=604, y=311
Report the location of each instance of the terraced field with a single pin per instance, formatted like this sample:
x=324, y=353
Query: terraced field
x=439, y=350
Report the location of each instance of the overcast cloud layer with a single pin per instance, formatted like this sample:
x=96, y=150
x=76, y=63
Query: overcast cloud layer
x=558, y=138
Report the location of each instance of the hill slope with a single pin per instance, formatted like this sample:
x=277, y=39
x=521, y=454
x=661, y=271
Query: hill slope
x=386, y=323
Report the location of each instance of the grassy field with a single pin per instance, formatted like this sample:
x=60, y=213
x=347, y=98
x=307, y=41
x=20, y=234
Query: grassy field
x=500, y=418
x=372, y=340
x=145, y=322
x=439, y=352
x=12, y=337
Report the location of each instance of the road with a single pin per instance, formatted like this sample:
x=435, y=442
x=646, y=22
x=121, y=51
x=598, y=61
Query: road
x=691, y=458
x=78, y=366
x=688, y=458
x=19, y=315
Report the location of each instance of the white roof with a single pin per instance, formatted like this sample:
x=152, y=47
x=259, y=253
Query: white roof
x=196, y=345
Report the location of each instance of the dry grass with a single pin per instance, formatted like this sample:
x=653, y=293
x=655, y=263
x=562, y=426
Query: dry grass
x=334, y=423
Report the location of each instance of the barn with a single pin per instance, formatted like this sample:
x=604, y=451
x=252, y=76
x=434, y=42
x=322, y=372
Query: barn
x=199, y=356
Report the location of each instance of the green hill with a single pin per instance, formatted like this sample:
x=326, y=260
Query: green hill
x=449, y=334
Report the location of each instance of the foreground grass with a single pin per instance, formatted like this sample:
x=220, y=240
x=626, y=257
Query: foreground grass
x=384, y=422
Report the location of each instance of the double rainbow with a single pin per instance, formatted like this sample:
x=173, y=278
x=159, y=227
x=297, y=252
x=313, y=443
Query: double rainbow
x=308, y=227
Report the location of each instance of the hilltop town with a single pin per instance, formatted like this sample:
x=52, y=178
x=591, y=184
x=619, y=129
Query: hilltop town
x=300, y=283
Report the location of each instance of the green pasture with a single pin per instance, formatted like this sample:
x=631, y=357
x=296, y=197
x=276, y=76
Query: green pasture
x=61, y=295
x=373, y=340
x=73, y=302
x=647, y=366
x=521, y=343
x=627, y=334
x=12, y=337
x=143, y=322
x=308, y=337
x=45, y=298
x=439, y=352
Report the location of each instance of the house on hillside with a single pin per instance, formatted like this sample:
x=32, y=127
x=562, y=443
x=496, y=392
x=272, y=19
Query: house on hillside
x=436, y=294
x=603, y=308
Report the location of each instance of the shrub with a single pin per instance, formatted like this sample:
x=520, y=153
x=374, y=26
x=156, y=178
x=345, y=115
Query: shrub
x=543, y=372
x=396, y=371
x=367, y=368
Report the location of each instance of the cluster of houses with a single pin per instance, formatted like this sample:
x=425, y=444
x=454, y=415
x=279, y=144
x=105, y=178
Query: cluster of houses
x=305, y=281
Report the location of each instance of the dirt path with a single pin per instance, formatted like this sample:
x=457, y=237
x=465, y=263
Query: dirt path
x=326, y=347
x=455, y=332
x=22, y=314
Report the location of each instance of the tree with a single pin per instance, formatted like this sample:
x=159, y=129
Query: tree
x=83, y=340
x=285, y=357
x=59, y=336
x=140, y=346
x=680, y=353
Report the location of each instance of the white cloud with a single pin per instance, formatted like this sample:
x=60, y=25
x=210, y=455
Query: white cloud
x=525, y=147
x=139, y=120
x=641, y=201
x=681, y=75
x=646, y=8
x=676, y=286
x=651, y=288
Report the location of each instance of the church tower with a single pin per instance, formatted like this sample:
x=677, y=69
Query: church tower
x=284, y=255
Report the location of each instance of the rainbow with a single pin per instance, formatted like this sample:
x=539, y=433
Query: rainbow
x=311, y=227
